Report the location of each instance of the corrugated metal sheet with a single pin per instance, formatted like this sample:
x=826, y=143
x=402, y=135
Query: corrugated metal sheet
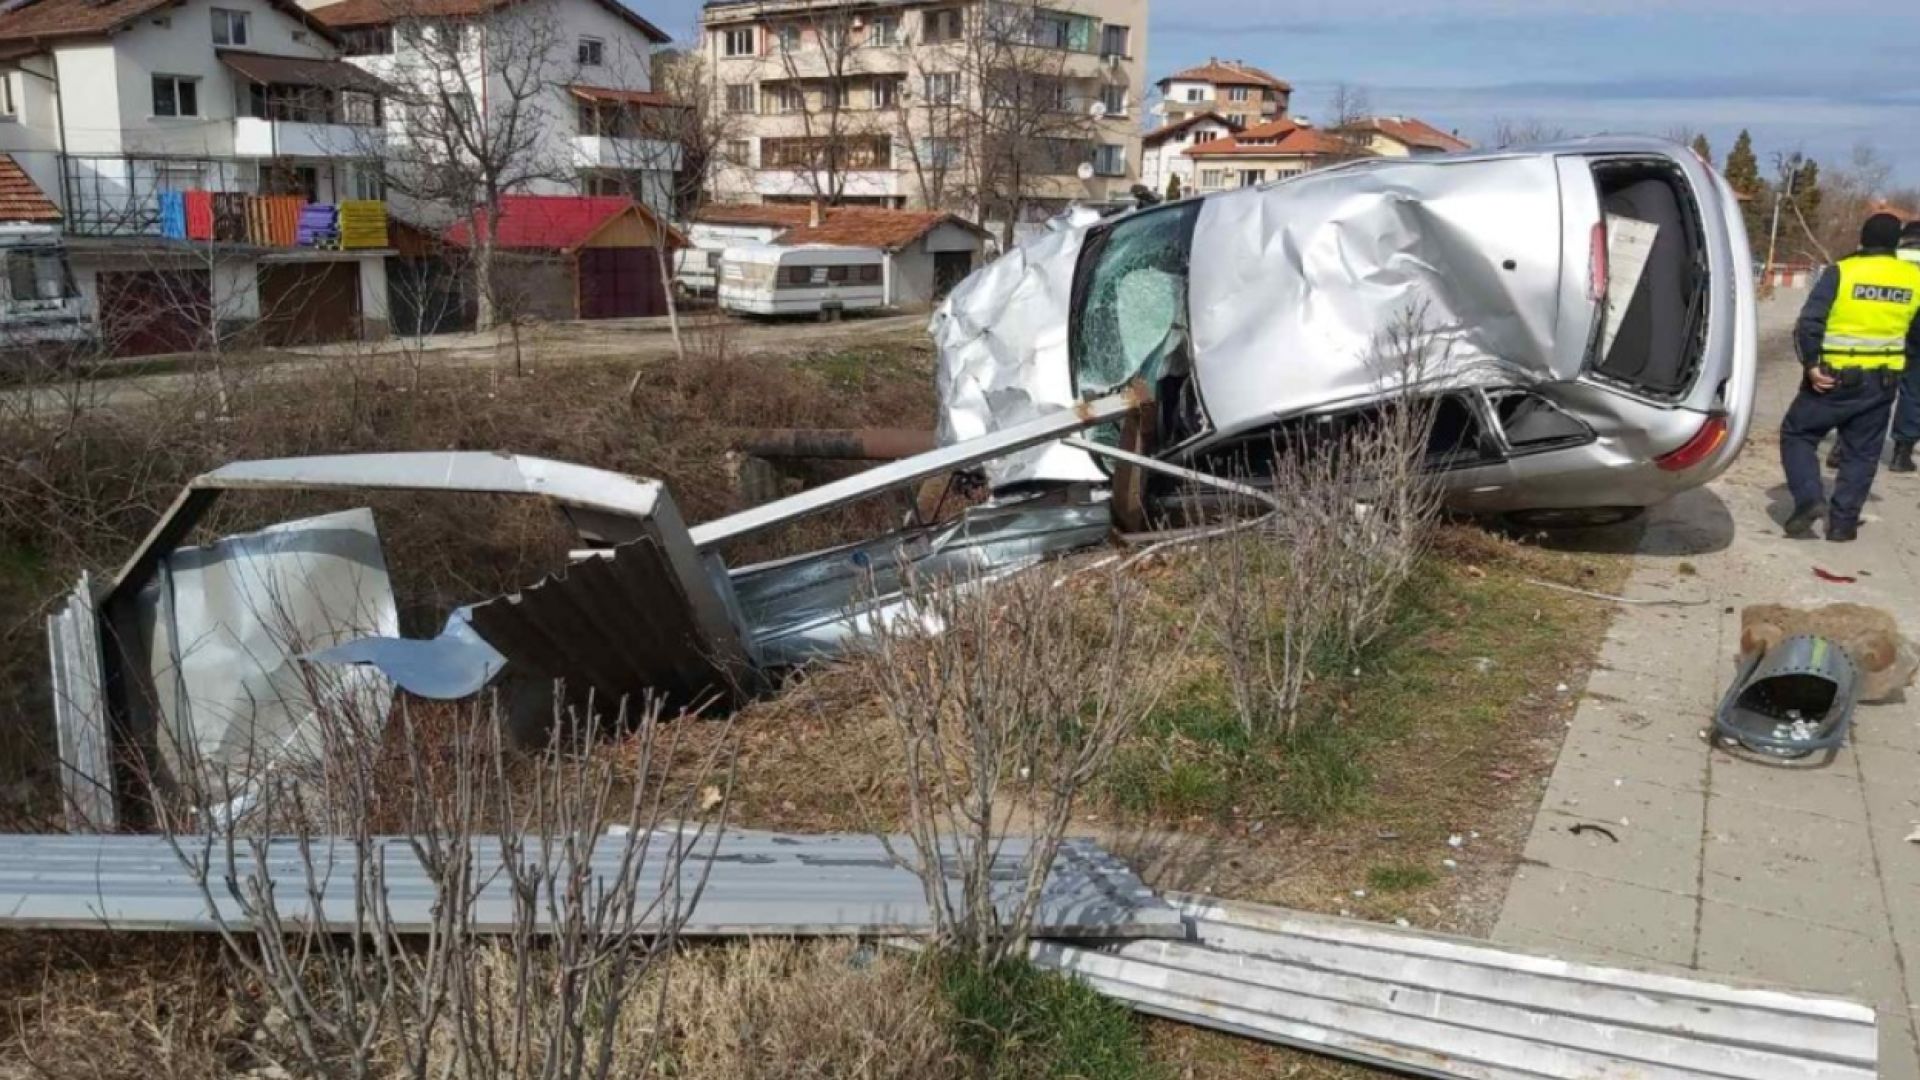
x=621, y=624
x=759, y=883
x=80, y=712
x=1445, y=1007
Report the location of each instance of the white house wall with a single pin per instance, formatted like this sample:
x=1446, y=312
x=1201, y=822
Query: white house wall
x=93, y=115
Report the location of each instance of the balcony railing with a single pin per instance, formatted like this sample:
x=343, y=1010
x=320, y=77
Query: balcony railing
x=209, y=199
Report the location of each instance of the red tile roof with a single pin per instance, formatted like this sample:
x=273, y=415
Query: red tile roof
x=849, y=226
x=1289, y=140
x=1167, y=131
x=622, y=97
x=1411, y=131
x=1229, y=73
x=862, y=226
x=20, y=198
x=351, y=13
x=39, y=19
x=550, y=222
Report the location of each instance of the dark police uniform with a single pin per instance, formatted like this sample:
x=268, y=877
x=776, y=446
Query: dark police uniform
x=1859, y=324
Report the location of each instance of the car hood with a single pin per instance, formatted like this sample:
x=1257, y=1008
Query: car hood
x=1292, y=290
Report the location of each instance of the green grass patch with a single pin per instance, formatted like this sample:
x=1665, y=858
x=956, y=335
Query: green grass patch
x=1326, y=772
x=1399, y=878
x=853, y=369
x=1016, y=1021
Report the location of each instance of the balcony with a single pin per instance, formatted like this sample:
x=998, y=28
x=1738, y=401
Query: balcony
x=257, y=138
x=854, y=183
x=613, y=152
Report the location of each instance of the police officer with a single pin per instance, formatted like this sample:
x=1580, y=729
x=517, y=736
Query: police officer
x=1855, y=335
x=1906, y=414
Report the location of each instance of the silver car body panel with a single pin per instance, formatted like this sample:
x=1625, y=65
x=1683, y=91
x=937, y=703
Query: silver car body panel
x=1292, y=285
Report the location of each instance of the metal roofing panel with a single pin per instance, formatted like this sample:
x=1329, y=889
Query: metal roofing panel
x=79, y=712
x=759, y=883
x=1445, y=1007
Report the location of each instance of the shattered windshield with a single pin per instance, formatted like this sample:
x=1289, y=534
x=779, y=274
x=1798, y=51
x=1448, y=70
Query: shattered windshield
x=1130, y=299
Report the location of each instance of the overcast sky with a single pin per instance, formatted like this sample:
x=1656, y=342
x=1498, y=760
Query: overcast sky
x=1817, y=75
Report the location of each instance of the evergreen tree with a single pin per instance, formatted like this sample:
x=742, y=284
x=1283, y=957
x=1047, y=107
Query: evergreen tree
x=1743, y=175
x=1703, y=148
x=1173, y=186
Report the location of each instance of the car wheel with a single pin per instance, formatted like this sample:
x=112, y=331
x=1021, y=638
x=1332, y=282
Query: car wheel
x=1582, y=517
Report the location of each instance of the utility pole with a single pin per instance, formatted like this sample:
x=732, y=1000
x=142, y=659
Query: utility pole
x=1790, y=166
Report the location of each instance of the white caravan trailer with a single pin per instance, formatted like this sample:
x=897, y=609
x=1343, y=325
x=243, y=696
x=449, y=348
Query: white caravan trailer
x=805, y=279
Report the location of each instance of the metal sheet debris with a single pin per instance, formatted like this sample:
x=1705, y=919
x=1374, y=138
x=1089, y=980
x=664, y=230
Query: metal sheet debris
x=1446, y=1007
x=80, y=713
x=759, y=883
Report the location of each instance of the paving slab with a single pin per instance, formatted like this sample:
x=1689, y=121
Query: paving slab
x=1799, y=877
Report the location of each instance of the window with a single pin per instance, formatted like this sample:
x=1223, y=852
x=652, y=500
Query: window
x=739, y=152
x=1531, y=422
x=1250, y=177
x=789, y=37
x=1236, y=93
x=1204, y=136
x=8, y=108
x=1114, y=97
x=833, y=96
x=884, y=30
x=369, y=41
x=1110, y=159
x=1195, y=93
x=175, y=95
x=1129, y=300
x=943, y=88
x=37, y=280
x=451, y=36
x=943, y=24
x=359, y=108
x=788, y=99
x=1113, y=40
x=366, y=182
x=737, y=42
x=941, y=153
x=886, y=93
x=1212, y=178
x=592, y=52
x=1049, y=31
x=229, y=27
x=739, y=97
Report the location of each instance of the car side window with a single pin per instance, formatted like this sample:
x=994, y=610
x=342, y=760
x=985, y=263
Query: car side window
x=1130, y=299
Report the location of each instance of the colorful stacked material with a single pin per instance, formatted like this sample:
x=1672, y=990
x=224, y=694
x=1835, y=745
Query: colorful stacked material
x=363, y=224
x=274, y=220
x=230, y=217
x=319, y=226
x=199, y=215
x=173, y=215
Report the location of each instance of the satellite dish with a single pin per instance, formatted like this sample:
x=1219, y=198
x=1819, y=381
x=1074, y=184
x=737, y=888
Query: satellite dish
x=1085, y=171
x=1098, y=109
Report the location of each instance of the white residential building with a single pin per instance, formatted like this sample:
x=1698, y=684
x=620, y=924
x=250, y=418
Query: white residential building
x=900, y=77
x=1163, y=151
x=124, y=114
x=591, y=60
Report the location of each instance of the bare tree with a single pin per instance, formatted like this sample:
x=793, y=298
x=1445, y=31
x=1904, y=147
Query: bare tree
x=1351, y=108
x=1508, y=131
x=475, y=107
x=819, y=53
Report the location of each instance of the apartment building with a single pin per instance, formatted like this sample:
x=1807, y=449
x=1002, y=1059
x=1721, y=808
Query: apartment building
x=857, y=102
x=586, y=67
x=192, y=148
x=1240, y=93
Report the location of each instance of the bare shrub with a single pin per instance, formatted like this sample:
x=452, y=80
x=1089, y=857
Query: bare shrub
x=558, y=884
x=765, y=1009
x=1006, y=698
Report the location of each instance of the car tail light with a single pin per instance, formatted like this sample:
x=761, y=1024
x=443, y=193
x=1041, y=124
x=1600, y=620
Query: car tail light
x=1597, y=263
x=1711, y=437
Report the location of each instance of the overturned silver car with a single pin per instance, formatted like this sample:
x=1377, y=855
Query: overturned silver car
x=1588, y=310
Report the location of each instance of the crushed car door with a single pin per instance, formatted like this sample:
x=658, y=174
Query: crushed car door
x=1299, y=291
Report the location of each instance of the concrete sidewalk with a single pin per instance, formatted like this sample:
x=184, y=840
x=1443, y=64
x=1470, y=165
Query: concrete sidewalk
x=1797, y=877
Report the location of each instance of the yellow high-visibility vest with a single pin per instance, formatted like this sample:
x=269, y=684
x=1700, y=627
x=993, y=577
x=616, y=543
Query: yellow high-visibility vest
x=1878, y=300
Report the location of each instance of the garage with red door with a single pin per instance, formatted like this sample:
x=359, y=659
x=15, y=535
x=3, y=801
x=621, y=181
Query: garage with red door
x=608, y=246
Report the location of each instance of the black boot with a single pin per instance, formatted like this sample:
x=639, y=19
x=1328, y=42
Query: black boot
x=1799, y=525
x=1833, y=455
x=1902, y=458
x=1841, y=532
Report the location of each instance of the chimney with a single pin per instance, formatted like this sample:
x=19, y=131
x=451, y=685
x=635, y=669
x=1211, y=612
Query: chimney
x=813, y=214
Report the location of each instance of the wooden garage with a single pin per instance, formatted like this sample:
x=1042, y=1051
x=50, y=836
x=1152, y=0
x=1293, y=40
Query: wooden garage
x=147, y=312
x=577, y=256
x=305, y=303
